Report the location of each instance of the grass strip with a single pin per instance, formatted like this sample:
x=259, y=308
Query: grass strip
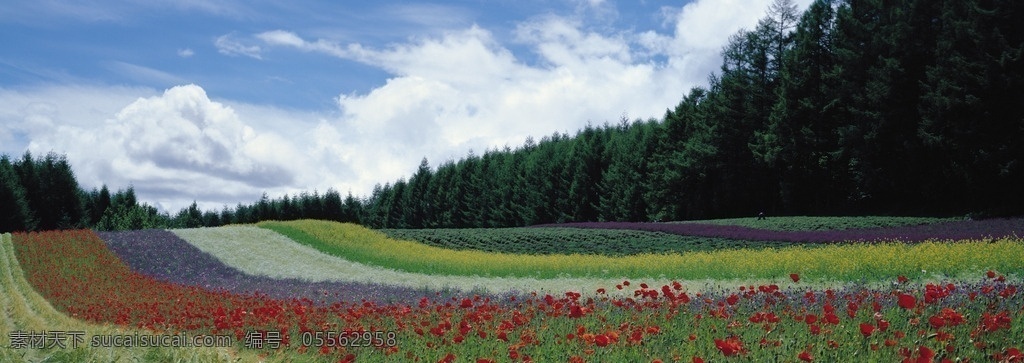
x=846, y=262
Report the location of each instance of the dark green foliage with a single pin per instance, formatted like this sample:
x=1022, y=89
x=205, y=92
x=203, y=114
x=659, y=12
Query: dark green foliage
x=51, y=190
x=623, y=187
x=191, y=217
x=553, y=240
x=15, y=213
x=125, y=213
x=40, y=194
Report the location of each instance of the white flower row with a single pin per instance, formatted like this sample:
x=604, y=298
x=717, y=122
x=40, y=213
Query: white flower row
x=262, y=252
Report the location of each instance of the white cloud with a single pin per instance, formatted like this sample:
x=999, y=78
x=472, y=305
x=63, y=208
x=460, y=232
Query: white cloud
x=186, y=53
x=449, y=93
x=173, y=147
x=463, y=90
x=709, y=24
x=228, y=44
x=280, y=37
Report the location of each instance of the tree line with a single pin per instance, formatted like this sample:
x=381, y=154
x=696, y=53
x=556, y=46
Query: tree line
x=906, y=107
x=43, y=194
x=910, y=107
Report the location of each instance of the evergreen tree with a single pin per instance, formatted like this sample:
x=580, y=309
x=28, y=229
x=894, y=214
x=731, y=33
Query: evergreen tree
x=14, y=215
x=420, y=201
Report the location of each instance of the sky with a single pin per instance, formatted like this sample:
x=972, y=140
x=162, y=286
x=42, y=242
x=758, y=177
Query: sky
x=218, y=102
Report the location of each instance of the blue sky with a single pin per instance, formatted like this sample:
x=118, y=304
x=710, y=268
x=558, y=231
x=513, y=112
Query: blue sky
x=220, y=101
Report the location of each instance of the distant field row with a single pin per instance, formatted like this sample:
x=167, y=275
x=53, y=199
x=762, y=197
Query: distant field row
x=622, y=238
x=550, y=241
x=946, y=230
x=825, y=223
x=837, y=262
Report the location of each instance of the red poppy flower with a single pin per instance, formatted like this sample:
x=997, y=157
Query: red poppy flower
x=1013, y=355
x=448, y=358
x=805, y=356
x=576, y=311
x=601, y=340
x=883, y=324
x=794, y=277
x=866, y=329
x=729, y=347
x=926, y=354
x=907, y=301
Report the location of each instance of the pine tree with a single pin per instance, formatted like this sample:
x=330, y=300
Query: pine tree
x=14, y=215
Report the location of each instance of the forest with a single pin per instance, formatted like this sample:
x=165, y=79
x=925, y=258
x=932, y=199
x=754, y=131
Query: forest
x=907, y=107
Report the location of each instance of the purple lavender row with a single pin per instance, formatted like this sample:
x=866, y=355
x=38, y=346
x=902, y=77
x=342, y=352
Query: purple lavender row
x=166, y=257
x=956, y=230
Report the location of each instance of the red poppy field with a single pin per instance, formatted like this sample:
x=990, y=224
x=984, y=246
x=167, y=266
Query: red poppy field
x=978, y=321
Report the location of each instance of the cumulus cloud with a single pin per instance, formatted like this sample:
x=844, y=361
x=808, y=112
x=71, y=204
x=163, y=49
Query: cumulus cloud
x=184, y=131
x=448, y=93
x=465, y=90
x=186, y=53
x=173, y=147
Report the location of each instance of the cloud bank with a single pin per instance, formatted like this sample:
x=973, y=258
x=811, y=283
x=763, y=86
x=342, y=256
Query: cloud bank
x=461, y=90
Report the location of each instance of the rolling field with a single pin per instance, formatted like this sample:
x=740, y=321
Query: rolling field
x=835, y=262
x=944, y=231
x=24, y=310
x=805, y=223
x=550, y=241
x=337, y=292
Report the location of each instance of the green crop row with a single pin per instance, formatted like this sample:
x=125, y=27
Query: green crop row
x=550, y=240
x=807, y=223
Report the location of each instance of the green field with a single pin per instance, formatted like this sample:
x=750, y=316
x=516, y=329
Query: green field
x=551, y=240
x=808, y=223
x=611, y=242
x=834, y=262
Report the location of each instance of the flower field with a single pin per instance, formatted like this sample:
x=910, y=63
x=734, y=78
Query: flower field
x=25, y=310
x=835, y=262
x=282, y=258
x=550, y=240
x=242, y=280
x=951, y=230
x=805, y=223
